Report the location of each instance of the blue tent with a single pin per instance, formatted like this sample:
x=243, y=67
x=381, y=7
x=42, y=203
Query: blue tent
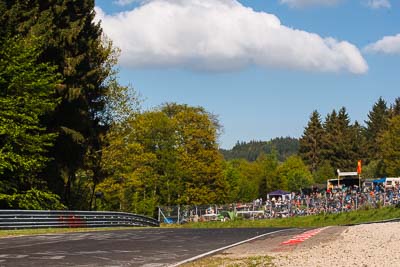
x=379, y=181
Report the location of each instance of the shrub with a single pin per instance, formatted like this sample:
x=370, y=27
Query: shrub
x=31, y=200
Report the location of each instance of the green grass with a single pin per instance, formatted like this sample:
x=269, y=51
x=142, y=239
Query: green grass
x=232, y=262
x=354, y=217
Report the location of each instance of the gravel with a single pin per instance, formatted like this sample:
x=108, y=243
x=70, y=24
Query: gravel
x=361, y=245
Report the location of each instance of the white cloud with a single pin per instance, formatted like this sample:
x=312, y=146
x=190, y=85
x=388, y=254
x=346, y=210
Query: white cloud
x=306, y=3
x=221, y=35
x=386, y=45
x=125, y=2
x=375, y=4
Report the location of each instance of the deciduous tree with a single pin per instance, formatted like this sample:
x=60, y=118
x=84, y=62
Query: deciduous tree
x=294, y=174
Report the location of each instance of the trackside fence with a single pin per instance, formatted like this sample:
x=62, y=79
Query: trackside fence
x=293, y=205
x=22, y=219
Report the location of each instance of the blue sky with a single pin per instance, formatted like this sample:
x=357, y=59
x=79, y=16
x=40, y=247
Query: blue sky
x=262, y=66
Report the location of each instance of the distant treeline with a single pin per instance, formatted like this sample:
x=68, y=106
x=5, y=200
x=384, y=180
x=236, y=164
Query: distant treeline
x=284, y=146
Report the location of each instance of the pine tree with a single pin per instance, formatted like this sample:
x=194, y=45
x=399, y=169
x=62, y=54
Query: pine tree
x=25, y=90
x=73, y=43
x=358, y=143
x=377, y=123
x=395, y=108
x=310, y=142
x=337, y=141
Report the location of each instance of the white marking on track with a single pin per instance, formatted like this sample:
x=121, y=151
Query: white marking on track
x=48, y=258
x=12, y=256
x=223, y=248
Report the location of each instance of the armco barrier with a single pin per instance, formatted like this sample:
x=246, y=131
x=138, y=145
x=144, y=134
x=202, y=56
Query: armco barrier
x=20, y=219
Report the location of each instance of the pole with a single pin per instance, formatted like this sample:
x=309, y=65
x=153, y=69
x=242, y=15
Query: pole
x=356, y=201
x=326, y=202
x=270, y=209
x=179, y=211
x=342, y=200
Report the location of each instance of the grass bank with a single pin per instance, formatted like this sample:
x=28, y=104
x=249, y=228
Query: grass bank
x=353, y=217
x=264, y=261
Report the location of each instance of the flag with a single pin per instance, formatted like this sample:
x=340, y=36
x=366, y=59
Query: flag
x=359, y=167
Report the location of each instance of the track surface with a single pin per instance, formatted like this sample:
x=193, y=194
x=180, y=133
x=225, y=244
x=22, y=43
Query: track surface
x=144, y=247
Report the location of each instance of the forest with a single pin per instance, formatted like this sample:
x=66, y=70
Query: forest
x=72, y=137
x=284, y=146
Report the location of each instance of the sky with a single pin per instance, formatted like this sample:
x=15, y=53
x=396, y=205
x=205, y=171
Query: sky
x=261, y=66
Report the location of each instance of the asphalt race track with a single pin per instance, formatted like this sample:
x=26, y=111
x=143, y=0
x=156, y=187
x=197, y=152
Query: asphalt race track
x=137, y=247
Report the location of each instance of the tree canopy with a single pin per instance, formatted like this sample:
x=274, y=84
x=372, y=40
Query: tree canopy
x=25, y=90
x=72, y=137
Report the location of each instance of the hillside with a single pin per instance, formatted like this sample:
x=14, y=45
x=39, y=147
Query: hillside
x=285, y=147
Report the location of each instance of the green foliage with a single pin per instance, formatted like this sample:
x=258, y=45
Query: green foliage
x=324, y=172
x=377, y=123
x=71, y=41
x=251, y=180
x=163, y=157
x=294, y=175
x=390, y=147
x=372, y=169
x=233, y=178
x=340, y=147
x=395, y=108
x=311, y=142
x=284, y=146
x=199, y=162
x=25, y=90
x=248, y=177
x=32, y=199
x=268, y=166
x=112, y=191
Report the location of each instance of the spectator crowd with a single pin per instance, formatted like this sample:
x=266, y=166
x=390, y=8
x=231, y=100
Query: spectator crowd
x=333, y=200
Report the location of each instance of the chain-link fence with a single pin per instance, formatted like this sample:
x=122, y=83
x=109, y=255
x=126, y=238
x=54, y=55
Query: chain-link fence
x=283, y=206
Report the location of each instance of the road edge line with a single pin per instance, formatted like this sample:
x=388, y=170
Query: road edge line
x=223, y=248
